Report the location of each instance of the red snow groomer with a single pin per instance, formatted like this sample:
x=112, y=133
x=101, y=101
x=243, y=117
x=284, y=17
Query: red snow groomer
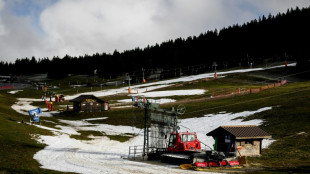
x=181, y=147
x=183, y=142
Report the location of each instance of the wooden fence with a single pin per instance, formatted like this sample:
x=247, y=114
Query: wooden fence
x=248, y=91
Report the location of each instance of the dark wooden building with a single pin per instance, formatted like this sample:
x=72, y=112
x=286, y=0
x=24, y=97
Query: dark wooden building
x=247, y=139
x=89, y=103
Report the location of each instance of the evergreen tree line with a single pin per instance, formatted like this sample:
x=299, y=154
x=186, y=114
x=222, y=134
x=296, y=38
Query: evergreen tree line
x=267, y=39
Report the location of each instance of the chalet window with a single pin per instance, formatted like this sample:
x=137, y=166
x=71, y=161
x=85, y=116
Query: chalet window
x=249, y=142
x=227, y=139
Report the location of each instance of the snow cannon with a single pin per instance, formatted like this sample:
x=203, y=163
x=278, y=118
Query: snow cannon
x=34, y=115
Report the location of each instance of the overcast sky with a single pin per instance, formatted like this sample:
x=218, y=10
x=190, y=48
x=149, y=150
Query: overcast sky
x=47, y=28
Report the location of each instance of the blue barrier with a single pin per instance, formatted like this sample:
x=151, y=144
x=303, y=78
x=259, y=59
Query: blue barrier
x=36, y=111
x=34, y=115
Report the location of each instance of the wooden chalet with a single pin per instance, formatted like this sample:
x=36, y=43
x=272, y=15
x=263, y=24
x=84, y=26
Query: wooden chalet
x=245, y=140
x=89, y=103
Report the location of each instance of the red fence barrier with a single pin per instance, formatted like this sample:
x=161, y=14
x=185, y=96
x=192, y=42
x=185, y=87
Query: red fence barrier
x=264, y=88
x=283, y=82
x=277, y=84
x=7, y=87
x=250, y=91
x=254, y=90
x=271, y=86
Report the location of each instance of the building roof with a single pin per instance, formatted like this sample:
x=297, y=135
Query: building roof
x=84, y=97
x=240, y=132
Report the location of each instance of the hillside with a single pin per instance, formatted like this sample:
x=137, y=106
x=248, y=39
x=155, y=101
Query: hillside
x=92, y=142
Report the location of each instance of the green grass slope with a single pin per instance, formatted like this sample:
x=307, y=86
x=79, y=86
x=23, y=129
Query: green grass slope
x=288, y=121
x=17, y=146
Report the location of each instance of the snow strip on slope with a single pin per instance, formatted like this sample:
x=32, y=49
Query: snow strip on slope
x=144, y=88
x=102, y=155
x=14, y=92
x=173, y=93
x=23, y=105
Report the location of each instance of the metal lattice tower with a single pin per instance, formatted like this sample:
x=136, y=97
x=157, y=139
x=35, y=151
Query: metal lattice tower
x=161, y=122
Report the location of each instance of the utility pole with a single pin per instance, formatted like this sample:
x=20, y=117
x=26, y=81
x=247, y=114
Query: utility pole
x=146, y=130
x=180, y=71
x=175, y=72
x=143, y=79
x=129, y=80
x=129, y=89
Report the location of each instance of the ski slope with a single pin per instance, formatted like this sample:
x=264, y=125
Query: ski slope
x=102, y=155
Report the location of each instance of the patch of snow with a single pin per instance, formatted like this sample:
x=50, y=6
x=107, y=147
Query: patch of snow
x=107, y=92
x=161, y=101
x=99, y=118
x=301, y=133
x=97, y=156
x=49, y=113
x=266, y=143
x=124, y=101
x=14, y=92
x=173, y=93
x=23, y=105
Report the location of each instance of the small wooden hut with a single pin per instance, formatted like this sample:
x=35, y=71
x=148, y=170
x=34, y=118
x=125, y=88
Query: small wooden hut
x=247, y=139
x=89, y=103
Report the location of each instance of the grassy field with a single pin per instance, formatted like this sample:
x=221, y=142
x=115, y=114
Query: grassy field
x=17, y=145
x=288, y=121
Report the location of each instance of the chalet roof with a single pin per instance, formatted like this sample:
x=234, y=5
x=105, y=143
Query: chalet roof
x=240, y=132
x=84, y=97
